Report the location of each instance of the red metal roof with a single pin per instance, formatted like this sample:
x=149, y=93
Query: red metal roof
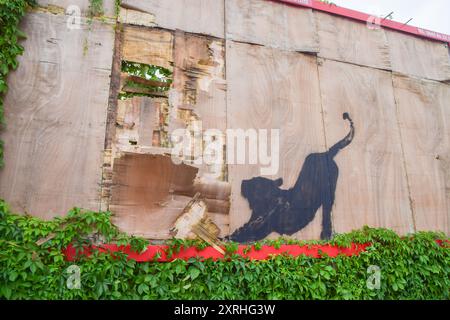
x=364, y=17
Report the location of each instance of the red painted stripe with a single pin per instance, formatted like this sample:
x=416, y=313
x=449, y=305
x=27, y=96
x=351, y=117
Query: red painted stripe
x=364, y=17
x=186, y=253
x=264, y=253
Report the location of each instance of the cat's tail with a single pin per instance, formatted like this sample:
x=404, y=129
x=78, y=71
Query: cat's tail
x=334, y=150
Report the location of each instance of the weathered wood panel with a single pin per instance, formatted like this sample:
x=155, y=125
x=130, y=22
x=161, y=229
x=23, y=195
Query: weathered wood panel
x=198, y=93
x=195, y=101
x=349, y=41
x=137, y=118
x=424, y=117
x=199, y=78
x=138, y=18
x=419, y=57
x=149, y=46
x=272, y=89
x=371, y=188
x=108, y=5
x=271, y=24
x=55, y=113
x=198, y=16
x=148, y=194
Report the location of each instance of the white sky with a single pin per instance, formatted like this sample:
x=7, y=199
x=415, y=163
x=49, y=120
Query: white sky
x=428, y=14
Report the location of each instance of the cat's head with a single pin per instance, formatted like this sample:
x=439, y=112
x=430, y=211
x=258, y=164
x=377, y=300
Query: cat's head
x=259, y=190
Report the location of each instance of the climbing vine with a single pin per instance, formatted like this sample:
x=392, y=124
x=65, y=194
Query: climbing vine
x=148, y=80
x=11, y=12
x=32, y=266
x=95, y=8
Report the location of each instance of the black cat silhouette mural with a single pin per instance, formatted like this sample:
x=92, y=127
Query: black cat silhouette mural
x=288, y=211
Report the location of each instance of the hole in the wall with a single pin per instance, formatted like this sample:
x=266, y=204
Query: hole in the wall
x=144, y=80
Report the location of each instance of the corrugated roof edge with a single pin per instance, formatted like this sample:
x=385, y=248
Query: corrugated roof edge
x=364, y=17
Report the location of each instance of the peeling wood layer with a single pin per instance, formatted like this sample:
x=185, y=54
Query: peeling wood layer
x=110, y=130
x=143, y=127
x=83, y=5
x=136, y=120
x=198, y=16
x=148, y=194
x=138, y=18
x=149, y=46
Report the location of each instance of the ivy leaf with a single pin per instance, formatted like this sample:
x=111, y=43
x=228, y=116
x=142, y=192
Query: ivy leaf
x=7, y=292
x=4, y=69
x=194, y=273
x=13, y=276
x=142, y=288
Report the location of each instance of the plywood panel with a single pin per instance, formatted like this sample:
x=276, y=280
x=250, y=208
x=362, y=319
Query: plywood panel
x=198, y=16
x=419, y=57
x=142, y=194
x=148, y=195
x=108, y=5
x=195, y=98
x=199, y=78
x=424, y=118
x=372, y=188
x=137, y=118
x=271, y=24
x=198, y=92
x=272, y=89
x=55, y=113
x=149, y=46
x=349, y=41
x=135, y=17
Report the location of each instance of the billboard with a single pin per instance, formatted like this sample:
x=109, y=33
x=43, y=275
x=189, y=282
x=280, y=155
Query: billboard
x=257, y=118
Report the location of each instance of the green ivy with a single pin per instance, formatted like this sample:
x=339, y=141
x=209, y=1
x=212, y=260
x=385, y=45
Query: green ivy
x=11, y=12
x=95, y=8
x=413, y=267
x=147, y=72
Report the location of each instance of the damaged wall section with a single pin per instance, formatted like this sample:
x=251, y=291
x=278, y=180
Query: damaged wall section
x=144, y=191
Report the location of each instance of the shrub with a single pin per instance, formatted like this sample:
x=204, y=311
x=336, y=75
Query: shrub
x=413, y=267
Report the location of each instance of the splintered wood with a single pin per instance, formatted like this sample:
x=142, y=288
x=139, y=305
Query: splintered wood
x=146, y=193
x=194, y=222
x=148, y=46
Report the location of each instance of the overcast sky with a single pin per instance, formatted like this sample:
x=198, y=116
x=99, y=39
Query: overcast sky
x=428, y=14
